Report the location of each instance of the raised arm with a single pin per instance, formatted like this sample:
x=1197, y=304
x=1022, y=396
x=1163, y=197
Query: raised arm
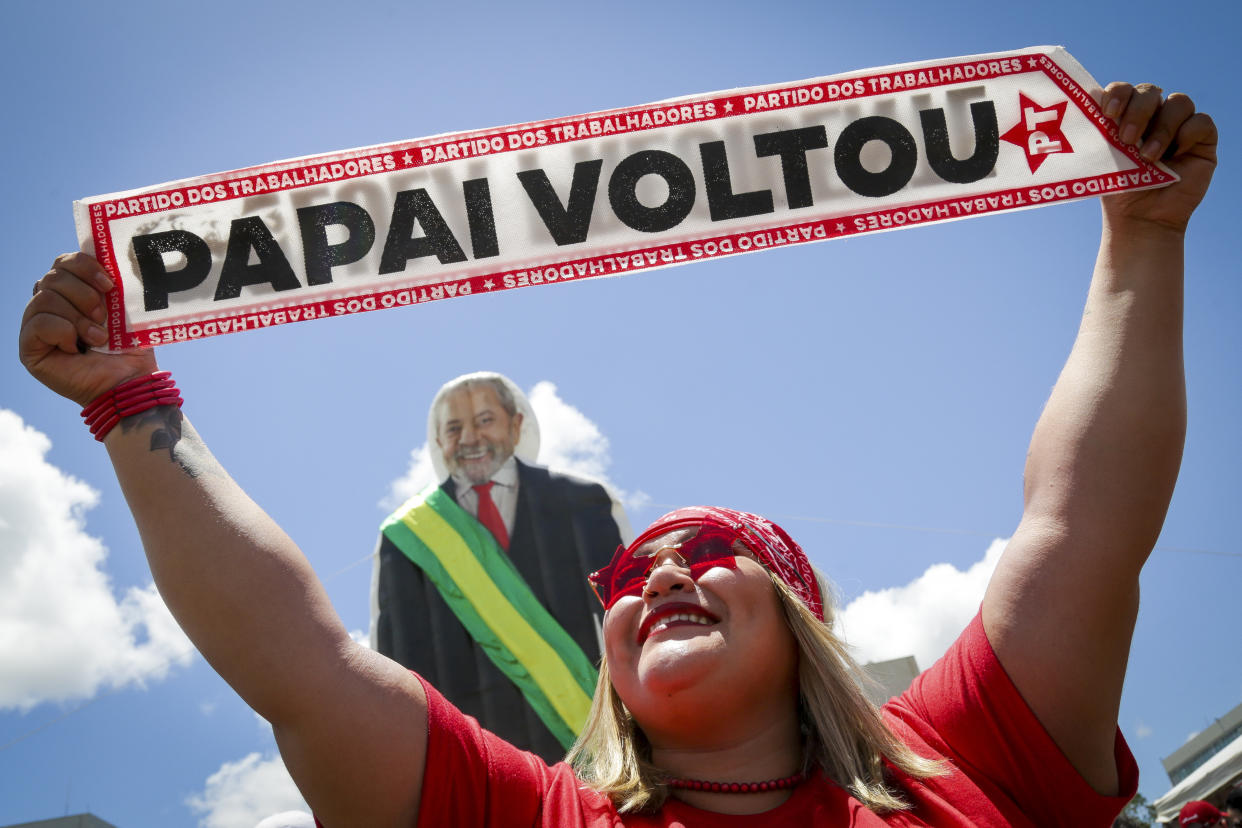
x=1061, y=607
x=351, y=724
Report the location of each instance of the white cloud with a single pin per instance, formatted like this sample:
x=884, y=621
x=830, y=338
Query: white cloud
x=1142, y=731
x=921, y=618
x=288, y=819
x=63, y=633
x=419, y=475
x=568, y=442
x=244, y=792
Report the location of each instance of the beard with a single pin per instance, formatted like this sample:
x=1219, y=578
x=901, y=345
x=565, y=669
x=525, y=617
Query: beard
x=478, y=462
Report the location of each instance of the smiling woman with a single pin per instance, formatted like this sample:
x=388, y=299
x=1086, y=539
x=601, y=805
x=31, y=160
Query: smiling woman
x=712, y=612
x=725, y=698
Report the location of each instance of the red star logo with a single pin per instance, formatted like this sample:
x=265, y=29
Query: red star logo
x=1038, y=132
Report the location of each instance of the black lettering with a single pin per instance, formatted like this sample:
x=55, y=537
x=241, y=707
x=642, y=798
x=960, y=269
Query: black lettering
x=722, y=202
x=567, y=224
x=481, y=218
x=623, y=196
x=272, y=267
x=438, y=240
x=940, y=156
x=900, y=169
x=791, y=145
x=321, y=257
x=157, y=281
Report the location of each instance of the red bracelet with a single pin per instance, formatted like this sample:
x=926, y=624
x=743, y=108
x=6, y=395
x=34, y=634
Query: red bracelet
x=130, y=397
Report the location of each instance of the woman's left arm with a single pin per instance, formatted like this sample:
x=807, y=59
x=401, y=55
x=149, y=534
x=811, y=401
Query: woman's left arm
x=1061, y=607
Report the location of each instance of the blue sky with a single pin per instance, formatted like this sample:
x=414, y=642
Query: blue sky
x=875, y=395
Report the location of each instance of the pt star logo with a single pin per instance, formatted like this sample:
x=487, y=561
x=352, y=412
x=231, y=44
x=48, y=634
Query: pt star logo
x=1039, y=131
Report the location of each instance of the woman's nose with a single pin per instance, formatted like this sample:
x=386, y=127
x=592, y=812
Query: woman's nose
x=669, y=573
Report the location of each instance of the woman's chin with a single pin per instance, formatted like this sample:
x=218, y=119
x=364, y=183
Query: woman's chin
x=668, y=665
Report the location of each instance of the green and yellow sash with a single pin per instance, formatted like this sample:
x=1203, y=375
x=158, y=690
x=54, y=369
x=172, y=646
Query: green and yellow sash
x=492, y=600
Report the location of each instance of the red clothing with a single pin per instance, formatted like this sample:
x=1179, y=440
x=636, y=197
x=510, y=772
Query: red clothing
x=1005, y=769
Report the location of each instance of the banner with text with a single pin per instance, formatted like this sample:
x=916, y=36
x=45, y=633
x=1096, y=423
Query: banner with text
x=606, y=193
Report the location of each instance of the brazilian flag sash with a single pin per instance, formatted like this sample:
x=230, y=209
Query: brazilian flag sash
x=494, y=603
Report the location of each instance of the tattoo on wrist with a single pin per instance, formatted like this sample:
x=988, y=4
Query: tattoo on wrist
x=165, y=423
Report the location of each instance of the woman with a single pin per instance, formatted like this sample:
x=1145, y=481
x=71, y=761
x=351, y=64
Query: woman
x=720, y=664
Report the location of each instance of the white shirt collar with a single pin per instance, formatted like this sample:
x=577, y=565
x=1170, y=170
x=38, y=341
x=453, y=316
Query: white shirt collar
x=506, y=475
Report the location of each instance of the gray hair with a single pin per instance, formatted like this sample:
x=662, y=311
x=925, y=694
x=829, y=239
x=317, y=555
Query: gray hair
x=478, y=379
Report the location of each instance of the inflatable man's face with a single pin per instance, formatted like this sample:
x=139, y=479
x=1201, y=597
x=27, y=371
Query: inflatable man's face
x=475, y=433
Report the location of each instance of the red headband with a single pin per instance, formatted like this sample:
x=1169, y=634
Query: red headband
x=770, y=543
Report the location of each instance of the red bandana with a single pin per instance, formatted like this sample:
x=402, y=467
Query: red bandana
x=768, y=542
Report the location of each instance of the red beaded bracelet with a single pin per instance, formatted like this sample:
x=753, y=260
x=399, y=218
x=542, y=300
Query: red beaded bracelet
x=130, y=397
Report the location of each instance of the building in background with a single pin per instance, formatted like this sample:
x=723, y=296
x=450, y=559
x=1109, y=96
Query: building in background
x=891, y=677
x=1203, y=746
x=1204, y=767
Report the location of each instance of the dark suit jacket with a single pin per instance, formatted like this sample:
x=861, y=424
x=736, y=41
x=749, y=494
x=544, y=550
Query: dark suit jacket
x=563, y=530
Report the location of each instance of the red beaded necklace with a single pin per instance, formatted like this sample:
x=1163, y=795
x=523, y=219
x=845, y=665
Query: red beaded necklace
x=739, y=787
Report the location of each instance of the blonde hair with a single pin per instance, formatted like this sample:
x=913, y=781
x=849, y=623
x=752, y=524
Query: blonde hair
x=844, y=734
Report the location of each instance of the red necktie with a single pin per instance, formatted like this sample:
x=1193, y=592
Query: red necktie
x=489, y=515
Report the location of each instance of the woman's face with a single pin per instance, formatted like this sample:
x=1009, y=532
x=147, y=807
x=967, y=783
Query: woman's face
x=686, y=646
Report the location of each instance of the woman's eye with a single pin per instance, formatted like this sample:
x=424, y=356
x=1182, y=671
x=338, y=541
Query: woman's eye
x=710, y=549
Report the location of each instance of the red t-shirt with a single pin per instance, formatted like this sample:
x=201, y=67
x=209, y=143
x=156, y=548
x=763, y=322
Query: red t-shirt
x=1004, y=768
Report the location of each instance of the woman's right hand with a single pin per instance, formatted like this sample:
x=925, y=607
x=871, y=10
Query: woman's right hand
x=68, y=308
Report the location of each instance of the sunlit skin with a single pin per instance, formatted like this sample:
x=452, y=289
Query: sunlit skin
x=476, y=435
x=717, y=701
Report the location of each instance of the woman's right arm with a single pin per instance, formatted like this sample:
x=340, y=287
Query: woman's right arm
x=351, y=725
